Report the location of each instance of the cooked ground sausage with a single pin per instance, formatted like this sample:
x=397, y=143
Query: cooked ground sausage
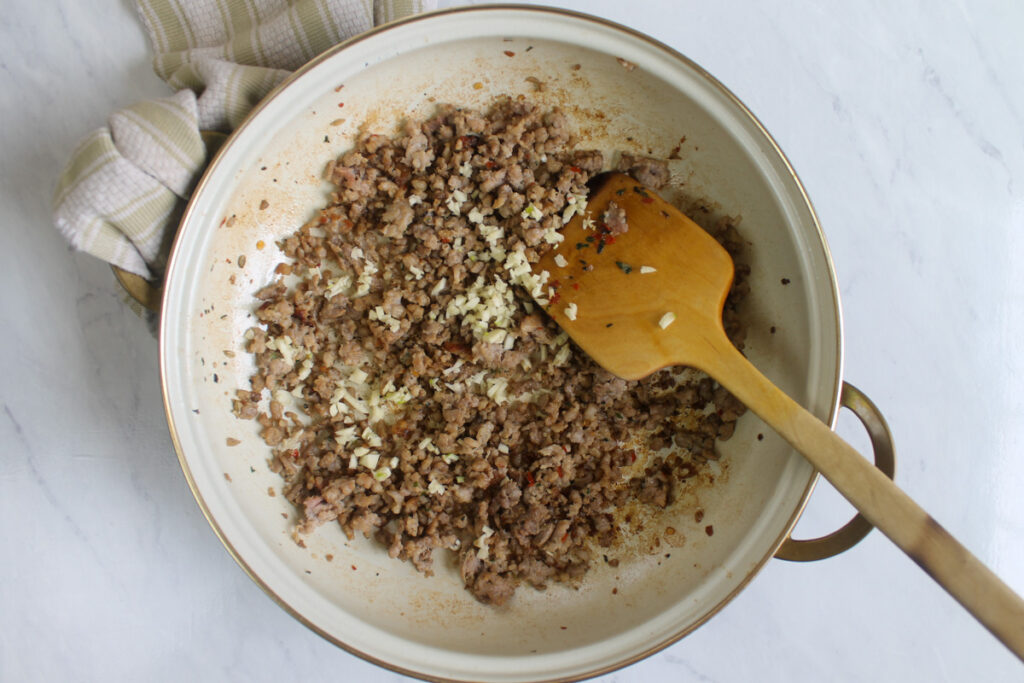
x=418, y=393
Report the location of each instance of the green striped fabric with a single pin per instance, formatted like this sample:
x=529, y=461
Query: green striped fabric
x=121, y=193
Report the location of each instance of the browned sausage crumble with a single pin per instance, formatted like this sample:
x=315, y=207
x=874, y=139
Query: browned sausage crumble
x=413, y=391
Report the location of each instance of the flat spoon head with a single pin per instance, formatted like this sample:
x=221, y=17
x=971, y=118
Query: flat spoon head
x=643, y=299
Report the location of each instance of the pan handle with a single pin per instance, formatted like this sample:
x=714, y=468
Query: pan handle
x=145, y=293
x=857, y=528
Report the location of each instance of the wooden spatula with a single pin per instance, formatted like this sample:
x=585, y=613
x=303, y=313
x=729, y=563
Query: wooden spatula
x=652, y=297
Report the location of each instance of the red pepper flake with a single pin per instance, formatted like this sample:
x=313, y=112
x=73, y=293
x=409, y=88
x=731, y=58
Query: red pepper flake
x=575, y=169
x=353, y=567
x=555, y=283
x=632, y=456
x=340, y=105
x=509, y=53
x=576, y=285
x=530, y=480
x=554, y=299
x=223, y=221
x=491, y=165
x=295, y=454
x=560, y=472
x=565, y=537
x=648, y=200
x=338, y=89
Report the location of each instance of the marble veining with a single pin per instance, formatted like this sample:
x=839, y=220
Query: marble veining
x=904, y=121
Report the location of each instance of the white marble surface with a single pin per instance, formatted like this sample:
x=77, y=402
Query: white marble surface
x=905, y=121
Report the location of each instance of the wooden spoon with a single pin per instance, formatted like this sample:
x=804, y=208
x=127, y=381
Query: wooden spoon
x=634, y=321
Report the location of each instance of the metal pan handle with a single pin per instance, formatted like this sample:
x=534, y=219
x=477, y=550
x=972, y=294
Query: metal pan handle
x=857, y=528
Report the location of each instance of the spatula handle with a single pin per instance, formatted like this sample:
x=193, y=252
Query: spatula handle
x=887, y=507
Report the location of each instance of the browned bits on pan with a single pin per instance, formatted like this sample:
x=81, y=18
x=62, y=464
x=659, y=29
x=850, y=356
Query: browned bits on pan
x=229, y=354
x=698, y=515
x=338, y=89
x=230, y=221
x=271, y=492
x=231, y=441
x=538, y=84
x=670, y=531
x=576, y=67
x=785, y=280
x=626, y=64
x=227, y=476
x=709, y=530
x=674, y=154
x=478, y=85
x=337, y=122
x=241, y=261
x=260, y=244
x=329, y=557
x=264, y=204
x=509, y=53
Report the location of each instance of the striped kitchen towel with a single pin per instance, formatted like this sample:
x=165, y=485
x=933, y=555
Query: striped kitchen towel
x=121, y=194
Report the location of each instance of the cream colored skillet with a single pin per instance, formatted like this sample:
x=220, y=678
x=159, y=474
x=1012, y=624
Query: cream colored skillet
x=266, y=181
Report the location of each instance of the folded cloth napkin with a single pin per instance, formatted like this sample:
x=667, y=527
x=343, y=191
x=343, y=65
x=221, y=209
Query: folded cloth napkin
x=121, y=194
